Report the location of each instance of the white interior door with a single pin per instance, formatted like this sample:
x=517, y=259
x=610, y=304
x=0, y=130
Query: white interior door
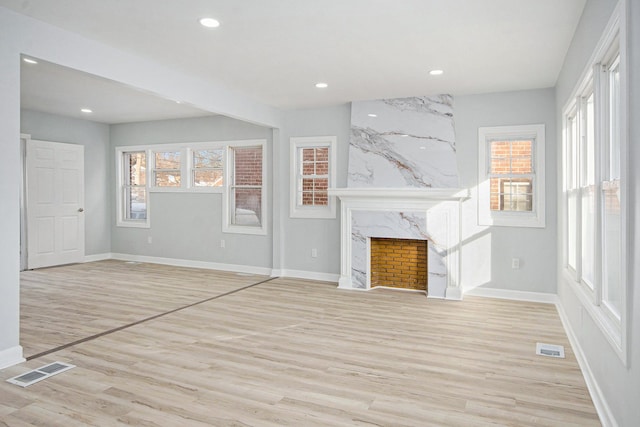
x=55, y=203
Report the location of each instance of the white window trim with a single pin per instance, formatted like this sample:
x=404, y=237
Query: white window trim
x=320, y=212
x=616, y=333
x=120, y=220
x=227, y=227
x=186, y=181
x=535, y=218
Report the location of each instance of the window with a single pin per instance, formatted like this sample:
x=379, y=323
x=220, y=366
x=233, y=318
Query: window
x=132, y=202
x=511, y=176
x=594, y=190
x=207, y=170
x=245, y=195
x=612, y=283
x=166, y=169
x=190, y=167
x=312, y=174
x=194, y=168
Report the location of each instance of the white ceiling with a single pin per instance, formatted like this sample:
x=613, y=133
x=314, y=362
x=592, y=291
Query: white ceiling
x=55, y=89
x=276, y=50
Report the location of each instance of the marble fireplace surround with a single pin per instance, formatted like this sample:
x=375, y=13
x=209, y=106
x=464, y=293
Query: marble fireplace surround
x=431, y=214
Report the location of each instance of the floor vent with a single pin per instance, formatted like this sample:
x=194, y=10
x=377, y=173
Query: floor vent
x=40, y=374
x=550, y=350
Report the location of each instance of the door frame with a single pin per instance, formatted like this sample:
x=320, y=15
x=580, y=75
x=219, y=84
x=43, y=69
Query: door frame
x=24, y=139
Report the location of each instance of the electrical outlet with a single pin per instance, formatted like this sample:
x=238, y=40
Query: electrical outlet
x=314, y=253
x=222, y=243
x=515, y=263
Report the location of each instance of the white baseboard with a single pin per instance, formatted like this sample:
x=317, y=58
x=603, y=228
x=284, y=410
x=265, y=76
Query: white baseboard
x=311, y=275
x=11, y=356
x=193, y=264
x=513, y=295
x=604, y=411
x=277, y=273
x=98, y=257
x=298, y=274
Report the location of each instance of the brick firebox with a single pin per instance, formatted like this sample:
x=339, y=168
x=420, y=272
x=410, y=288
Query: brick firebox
x=399, y=263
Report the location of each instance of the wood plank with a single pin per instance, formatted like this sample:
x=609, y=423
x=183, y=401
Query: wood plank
x=289, y=352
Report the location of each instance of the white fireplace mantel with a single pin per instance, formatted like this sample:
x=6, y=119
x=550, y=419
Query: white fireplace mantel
x=441, y=204
x=408, y=195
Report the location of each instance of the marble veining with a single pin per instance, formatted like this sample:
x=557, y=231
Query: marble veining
x=404, y=143
x=400, y=225
x=409, y=143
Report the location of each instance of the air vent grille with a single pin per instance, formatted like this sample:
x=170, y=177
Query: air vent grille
x=40, y=374
x=550, y=350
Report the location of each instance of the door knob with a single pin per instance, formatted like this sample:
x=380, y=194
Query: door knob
x=80, y=209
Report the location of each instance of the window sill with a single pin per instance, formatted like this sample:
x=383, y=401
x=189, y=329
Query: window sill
x=214, y=190
x=314, y=213
x=504, y=219
x=240, y=229
x=133, y=224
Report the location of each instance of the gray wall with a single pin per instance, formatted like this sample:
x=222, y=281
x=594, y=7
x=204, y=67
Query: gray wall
x=619, y=384
x=303, y=235
x=189, y=225
x=95, y=138
x=487, y=251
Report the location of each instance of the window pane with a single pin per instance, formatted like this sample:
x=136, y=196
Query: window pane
x=208, y=158
x=500, y=151
x=135, y=165
x=167, y=179
x=247, y=209
x=322, y=168
x=500, y=165
x=308, y=168
x=248, y=165
x=588, y=160
x=494, y=193
x=511, y=157
x=573, y=155
x=315, y=161
x=588, y=235
x=511, y=194
x=168, y=160
x=207, y=178
x=314, y=192
x=614, y=120
x=572, y=231
x=569, y=164
x=521, y=157
x=135, y=203
x=611, y=227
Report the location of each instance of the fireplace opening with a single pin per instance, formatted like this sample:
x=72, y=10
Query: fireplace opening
x=399, y=263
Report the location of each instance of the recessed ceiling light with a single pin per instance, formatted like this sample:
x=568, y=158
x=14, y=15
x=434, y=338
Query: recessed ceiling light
x=209, y=23
x=321, y=85
x=30, y=61
x=86, y=110
x=404, y=135
x=436, y=72
x=372, y=115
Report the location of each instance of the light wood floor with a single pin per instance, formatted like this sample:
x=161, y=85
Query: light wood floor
x=288, y=352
